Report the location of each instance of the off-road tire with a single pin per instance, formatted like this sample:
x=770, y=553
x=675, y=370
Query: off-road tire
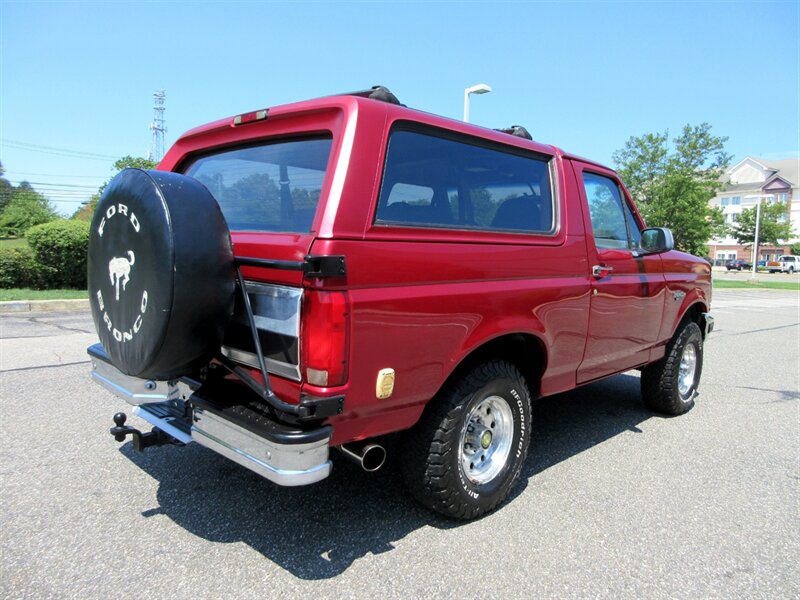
x=434, y=449
x=661, y=380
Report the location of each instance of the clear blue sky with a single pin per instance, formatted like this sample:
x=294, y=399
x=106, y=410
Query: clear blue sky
x=585, y=76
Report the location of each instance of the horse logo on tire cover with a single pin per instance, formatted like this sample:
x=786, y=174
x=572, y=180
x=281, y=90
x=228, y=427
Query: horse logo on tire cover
x=119, y=270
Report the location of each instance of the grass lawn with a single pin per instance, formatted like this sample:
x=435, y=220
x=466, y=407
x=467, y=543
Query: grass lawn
x=13, y=243
x=26, y=294
x=721, y=284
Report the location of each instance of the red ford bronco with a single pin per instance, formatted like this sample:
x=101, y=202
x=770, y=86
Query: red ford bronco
x=320, y=274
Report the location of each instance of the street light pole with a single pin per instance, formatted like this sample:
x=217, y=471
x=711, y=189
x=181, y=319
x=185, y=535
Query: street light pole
x=755, y=238
x=480, y=88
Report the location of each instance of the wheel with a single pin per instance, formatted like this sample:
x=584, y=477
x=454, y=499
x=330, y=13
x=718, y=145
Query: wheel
x=469, y=447
x=160, y=273
x=670, y=385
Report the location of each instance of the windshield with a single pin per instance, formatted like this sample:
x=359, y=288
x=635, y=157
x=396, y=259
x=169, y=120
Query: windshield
x=272, y=187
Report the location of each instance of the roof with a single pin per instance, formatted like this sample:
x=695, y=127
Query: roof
x=787, y=169
x=743, y=187
x=353, y=107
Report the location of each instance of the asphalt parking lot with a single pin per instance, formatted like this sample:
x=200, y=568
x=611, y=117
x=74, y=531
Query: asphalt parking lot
x=614, y=501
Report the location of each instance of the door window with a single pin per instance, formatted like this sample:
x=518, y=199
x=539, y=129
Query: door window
x=606, y=211
x=634, y=233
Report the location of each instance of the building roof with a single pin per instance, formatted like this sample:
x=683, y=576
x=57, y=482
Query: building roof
x=787, y=169
x=742, y=187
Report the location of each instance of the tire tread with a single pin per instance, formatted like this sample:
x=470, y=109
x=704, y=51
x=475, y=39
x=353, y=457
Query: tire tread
x=432, y=443
x=659, y=380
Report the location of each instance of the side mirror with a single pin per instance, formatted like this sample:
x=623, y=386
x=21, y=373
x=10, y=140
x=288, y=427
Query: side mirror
x=657, y=239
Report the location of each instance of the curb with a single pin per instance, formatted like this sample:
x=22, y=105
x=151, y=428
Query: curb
x=21, y=306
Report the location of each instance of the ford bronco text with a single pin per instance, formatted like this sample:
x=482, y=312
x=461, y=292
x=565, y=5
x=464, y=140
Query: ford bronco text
x=320, y=274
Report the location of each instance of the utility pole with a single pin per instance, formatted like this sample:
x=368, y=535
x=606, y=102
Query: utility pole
x=158, y=127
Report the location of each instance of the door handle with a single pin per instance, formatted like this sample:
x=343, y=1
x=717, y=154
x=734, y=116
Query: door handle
x=601, y=271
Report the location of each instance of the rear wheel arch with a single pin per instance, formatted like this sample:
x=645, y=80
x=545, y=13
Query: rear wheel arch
x=525, y=351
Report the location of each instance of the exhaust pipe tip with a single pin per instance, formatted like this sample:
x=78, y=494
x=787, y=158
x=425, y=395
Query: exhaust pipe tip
x=371, y=457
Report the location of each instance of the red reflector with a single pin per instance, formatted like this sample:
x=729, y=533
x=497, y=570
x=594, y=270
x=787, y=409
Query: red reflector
x=323, y=344
x=251, y=117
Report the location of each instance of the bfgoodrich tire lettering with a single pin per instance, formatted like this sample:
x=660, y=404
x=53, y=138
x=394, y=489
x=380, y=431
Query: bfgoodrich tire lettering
x=469, y=447
x=160, y=273
x=670, y=385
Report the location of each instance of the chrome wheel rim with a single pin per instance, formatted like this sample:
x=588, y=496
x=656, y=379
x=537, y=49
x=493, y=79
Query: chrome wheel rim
x=687, y=369
x=486, y=440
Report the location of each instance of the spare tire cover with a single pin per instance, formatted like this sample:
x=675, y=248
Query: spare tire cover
x=160, y=272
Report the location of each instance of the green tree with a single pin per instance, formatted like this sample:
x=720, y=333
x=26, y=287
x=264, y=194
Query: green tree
x=134, y=162
x=775, y=226
x=672, y=188
x=86, y=210
x=795, y=249
x=6, y=189
x=25, y=209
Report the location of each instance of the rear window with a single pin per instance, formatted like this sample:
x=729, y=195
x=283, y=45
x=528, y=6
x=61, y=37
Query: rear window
x=437, y=181
x=271, y=187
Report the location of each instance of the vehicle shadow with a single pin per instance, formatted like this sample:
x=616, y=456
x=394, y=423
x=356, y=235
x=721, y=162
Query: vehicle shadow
x=317, y=532
x=566, y=424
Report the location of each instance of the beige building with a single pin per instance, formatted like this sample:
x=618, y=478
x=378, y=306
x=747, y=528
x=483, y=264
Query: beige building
x=749, y=181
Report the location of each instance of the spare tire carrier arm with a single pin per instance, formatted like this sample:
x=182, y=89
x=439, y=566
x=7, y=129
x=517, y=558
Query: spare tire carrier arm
x=263, y=390
x=314, y=266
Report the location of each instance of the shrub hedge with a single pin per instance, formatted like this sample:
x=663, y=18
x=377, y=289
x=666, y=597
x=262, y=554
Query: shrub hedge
x=19, y=269
x=60, y=248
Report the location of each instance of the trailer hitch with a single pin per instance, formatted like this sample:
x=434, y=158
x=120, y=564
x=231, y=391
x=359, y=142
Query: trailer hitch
x=141, y=440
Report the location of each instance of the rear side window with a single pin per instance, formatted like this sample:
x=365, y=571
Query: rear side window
x=272, y=187
x=433, y=181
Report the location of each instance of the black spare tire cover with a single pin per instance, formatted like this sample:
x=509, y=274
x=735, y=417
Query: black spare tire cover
x=161, y=274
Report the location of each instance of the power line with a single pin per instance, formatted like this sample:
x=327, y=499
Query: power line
x=28, y=147
x=41, y=147
x=57, y=185
x=53, y=174
x=61, y=201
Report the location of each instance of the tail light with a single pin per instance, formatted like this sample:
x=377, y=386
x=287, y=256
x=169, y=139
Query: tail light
x=323, y=343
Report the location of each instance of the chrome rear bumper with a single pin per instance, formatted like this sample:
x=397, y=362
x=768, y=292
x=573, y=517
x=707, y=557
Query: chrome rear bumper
x=281, y=453
x=284, y=464
x=133, y=390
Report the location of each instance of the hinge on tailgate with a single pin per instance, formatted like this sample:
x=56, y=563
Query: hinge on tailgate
x=320, y=408
x=324, y=266
x=312, y=266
